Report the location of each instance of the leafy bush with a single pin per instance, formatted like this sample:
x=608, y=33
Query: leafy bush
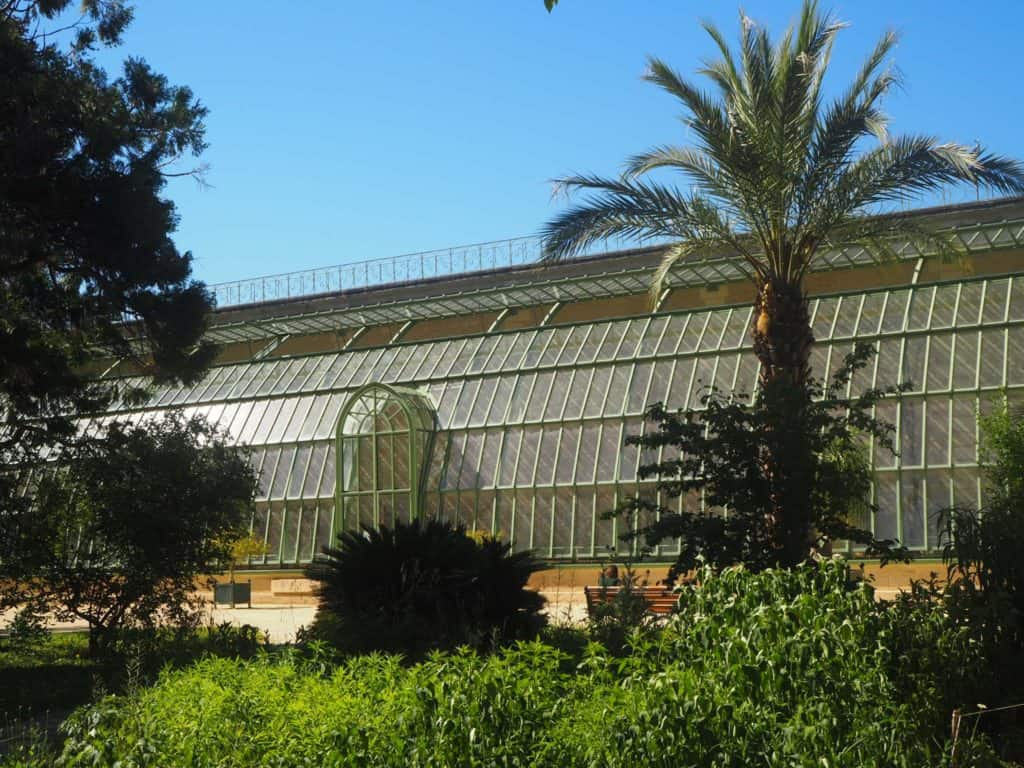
x=776, y=668
x=788, y=466
x=422, y=586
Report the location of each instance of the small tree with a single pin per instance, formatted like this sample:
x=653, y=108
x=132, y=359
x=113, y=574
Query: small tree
x=723, y=453
x=120, y=532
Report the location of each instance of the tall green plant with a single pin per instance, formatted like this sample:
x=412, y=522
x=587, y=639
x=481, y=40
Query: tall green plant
x=775, y=176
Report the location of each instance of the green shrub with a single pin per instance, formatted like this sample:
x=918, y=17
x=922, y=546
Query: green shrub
x=422, y=586
x=778, y=668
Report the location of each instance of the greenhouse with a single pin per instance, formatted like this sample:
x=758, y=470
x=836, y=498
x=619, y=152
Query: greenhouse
x=479, y=385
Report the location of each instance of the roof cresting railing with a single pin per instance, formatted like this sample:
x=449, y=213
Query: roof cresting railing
x=364, y=274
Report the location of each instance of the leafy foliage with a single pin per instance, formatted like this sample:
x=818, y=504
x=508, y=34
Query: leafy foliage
x=982, y=551
x=793, y=667
x=118, y=532
x=88, y=268
x=422, y=586
x=721, y=451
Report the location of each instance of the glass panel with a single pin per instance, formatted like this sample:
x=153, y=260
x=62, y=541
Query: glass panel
x=453, y=465
x=679, y=389
x=617, y=389
x=577, y=394
x=281, y=474
x=885, y=412
x=589, y=442
x=522, y=523
x=307, y=532
x=468, y=476
x=968, y=311
x=298, y=472
x=327, y=480
x=995, y=301
x=912, y=509
x=540, y=341
x=638, y=388
x=501, y=400
x=713, y=334
x=539, y=396
x=694, y=332
x=465, y=402
x=484, y=396
x=965, y=425
x=542, y=510
x=965, y=361
x=318, y=456
x=610, y=343
x=519, y=344
x=324, y=520
x=631, y=338
x=938, y=431
x=274, y=526
x=566, y=462
x=736, y=331
x=554, y=348
x=583, y=523
x=911, y=413
x=991, y=374
x=846, y=319
x=1017, y=299
x=660, y=379
x=870, y=314
x=945, y=303
x=489, y=458
x=1015, y=352
x=481, y=353
x=604, y=533
x=598, y=388
x=312, y=417
x=592, y=343
x=824, y=316
x=895, y=307
x=556, y=399
x=649, y=344
x=913, y=362
x=509, y=452
x=546, y=457
x=885, y=499
x=520, y=397
x=938, y=362
x=562, y=525
x=673, y=334
x=920, y=306
x=608, y=451
x=527, y=456
x=888, y=365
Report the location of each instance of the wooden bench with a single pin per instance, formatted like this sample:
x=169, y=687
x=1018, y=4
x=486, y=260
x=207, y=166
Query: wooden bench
x=660, y=600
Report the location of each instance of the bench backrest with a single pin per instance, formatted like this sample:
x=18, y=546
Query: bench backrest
x=660, y=600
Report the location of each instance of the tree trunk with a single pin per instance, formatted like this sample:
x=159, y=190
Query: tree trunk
x=782, y=342
x=782, y=332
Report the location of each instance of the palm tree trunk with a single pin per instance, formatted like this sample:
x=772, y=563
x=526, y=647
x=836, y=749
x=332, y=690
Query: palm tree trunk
x=782, y=342
x=782, y=331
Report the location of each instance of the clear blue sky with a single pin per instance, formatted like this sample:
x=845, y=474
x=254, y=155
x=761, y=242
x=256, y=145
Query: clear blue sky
x=342, y=131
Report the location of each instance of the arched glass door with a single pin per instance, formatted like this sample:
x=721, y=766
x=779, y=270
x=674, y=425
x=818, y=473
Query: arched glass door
x=384, y=436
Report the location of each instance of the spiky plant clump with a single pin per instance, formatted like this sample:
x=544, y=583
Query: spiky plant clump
x=423, y=586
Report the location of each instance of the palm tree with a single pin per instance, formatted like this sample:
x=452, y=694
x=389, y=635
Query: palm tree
x=775, y=175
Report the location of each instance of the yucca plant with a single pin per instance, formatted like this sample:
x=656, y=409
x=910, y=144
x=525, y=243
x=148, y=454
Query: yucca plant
x=422, y=586
x=775, y=176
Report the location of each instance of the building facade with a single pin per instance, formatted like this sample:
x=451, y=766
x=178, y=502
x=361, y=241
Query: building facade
x=477, y=385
